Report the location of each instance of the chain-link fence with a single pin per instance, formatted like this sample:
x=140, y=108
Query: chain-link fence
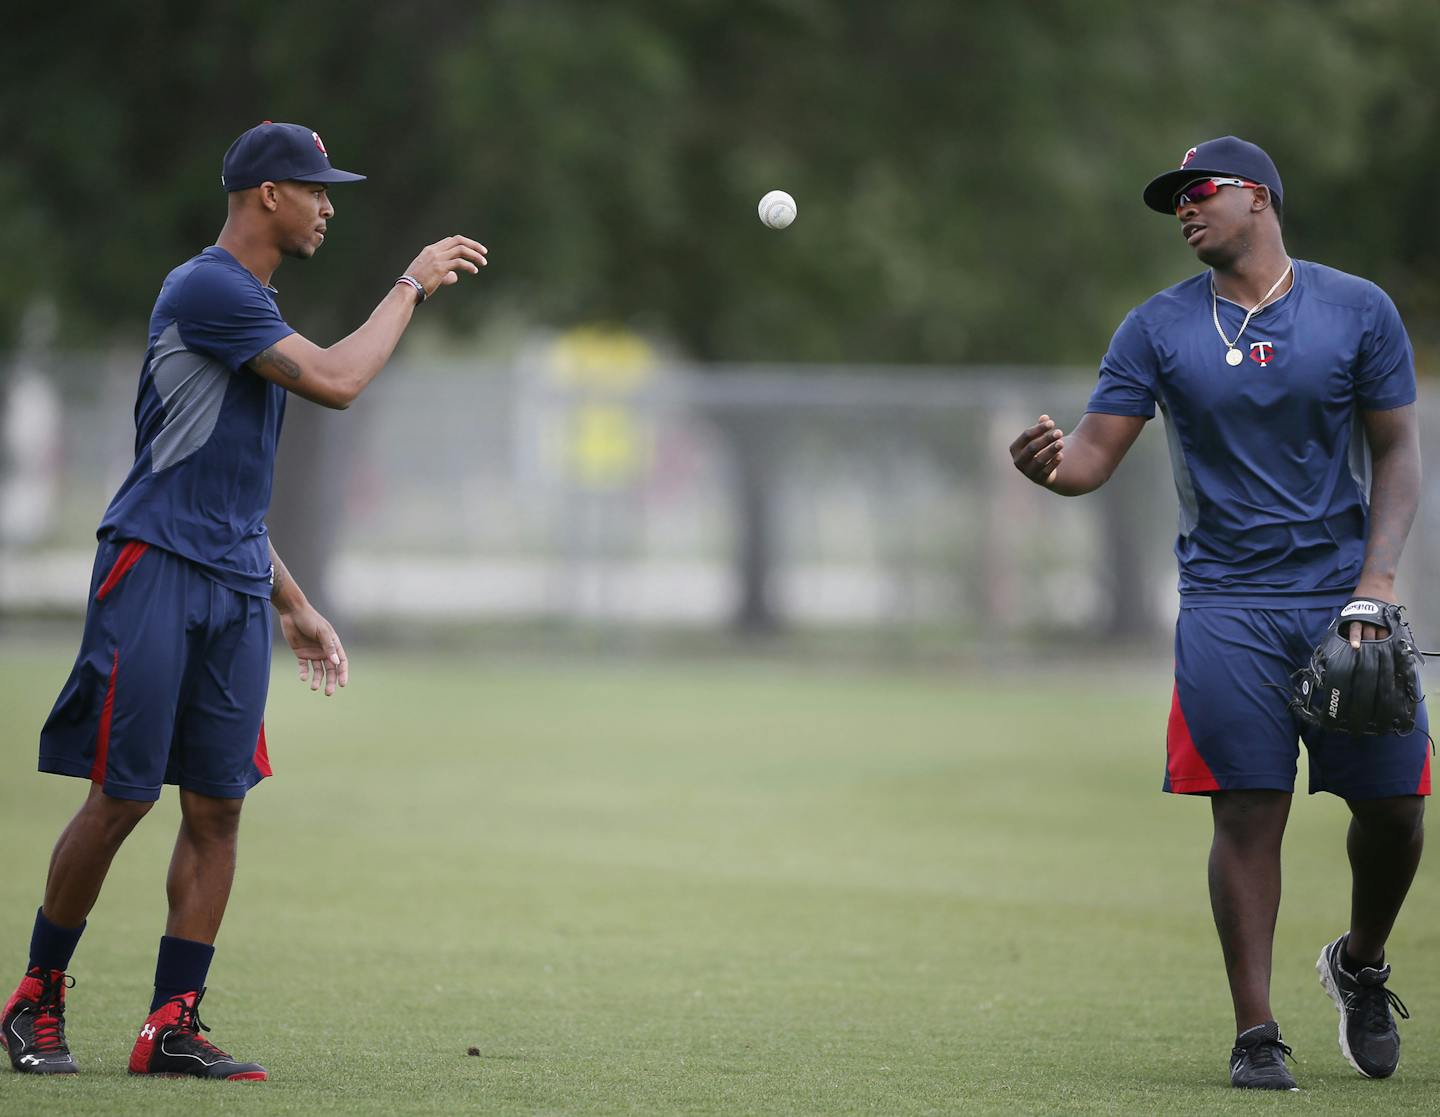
x=591, y=486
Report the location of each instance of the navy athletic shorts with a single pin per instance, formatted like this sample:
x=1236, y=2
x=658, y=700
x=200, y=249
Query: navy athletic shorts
x=1230, y=725
x=169, y=685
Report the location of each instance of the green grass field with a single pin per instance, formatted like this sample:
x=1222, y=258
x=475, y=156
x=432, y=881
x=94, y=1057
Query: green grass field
x=706, y=888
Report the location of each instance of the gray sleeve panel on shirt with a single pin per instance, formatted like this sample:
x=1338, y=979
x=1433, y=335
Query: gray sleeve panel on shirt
x=192, y=388
x=1359, y=459
x=1184, y=484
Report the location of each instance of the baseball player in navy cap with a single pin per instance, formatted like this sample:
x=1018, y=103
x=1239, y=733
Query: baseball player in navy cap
x=1288, y=391
x=170, y=683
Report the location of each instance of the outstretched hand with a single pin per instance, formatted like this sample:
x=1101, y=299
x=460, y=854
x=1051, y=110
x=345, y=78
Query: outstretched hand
x=440, y=264
x=1038, y=451
x=317, y=649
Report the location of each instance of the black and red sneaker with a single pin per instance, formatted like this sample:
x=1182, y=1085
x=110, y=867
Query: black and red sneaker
x=32, y=1027
x=170, y=1046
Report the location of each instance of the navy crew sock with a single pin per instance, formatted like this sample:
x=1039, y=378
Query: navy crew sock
x=52, y=946
x=181, y=967
x=1353, y=965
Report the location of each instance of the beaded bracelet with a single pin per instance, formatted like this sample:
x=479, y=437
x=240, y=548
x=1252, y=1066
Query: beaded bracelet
x=419, y=288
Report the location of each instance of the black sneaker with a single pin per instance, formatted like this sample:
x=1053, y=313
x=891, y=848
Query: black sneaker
x=170, y=1046
x=1369, y=1039
x=32, y=1027
x=1257, y=1062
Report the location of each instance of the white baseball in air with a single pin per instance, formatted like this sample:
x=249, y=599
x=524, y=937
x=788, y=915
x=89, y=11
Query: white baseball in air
x=777, y=209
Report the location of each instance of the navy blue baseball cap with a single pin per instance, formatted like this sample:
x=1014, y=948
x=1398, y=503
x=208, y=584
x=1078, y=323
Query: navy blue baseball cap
x=272, y=152
x=1227, y=157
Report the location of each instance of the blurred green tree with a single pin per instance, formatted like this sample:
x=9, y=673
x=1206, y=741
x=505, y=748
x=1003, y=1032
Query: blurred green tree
x=967, y=174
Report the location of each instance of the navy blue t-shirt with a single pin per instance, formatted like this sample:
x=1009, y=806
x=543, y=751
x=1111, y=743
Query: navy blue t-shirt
x=1270, y=459
x=206, y=427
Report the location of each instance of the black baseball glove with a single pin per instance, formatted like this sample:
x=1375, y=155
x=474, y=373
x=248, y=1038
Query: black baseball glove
x=1371, y=689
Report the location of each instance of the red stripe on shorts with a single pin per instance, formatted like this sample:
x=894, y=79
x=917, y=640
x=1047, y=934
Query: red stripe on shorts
x=102, y=735
x=128, y=557
x=1187, y=768
x=262, y=754
x=1424, y=787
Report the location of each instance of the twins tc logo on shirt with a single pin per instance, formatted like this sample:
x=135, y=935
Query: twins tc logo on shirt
x=1262, y=353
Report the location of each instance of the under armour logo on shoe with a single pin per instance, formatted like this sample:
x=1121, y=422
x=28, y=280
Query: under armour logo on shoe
x=31, y=1060
x=147, y=1032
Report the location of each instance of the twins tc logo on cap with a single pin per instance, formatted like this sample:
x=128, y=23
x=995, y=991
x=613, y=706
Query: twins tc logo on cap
x=1189, y=155
x=277, y=152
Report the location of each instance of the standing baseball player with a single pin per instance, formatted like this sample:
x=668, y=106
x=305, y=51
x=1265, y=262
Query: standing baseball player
x=1288, y=390
x=170, y=682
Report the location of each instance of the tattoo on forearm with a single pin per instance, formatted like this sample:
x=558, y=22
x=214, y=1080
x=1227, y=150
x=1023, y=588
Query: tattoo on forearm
x=278, y=574
x=279, y=362
x=1387, y=540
